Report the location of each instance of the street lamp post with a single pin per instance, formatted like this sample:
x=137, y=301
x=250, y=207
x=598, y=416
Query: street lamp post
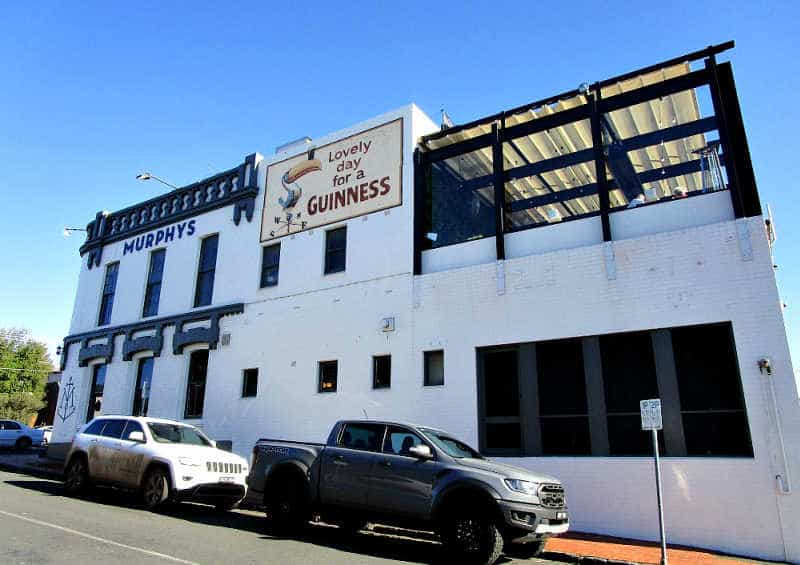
x=148, y=176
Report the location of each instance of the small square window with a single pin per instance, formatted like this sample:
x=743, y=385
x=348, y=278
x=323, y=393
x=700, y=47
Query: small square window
x=382, y=371
x=335, y=250
x=434, y=368
x=270, y=265
x=249, y=383
x=328, y=375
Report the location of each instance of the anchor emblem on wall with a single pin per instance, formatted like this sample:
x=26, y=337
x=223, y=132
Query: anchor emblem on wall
x=293, y=193
x=66, y=407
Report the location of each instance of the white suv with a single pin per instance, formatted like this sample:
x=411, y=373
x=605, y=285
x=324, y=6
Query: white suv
x=163, y=459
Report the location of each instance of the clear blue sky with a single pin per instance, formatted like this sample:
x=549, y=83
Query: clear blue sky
x=93, y=93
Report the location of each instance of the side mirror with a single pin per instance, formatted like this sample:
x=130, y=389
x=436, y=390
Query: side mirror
x=213, y=442
x=421, y=452
x=136, y=436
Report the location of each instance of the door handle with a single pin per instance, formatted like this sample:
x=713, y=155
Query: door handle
x=94, y=441
x=338, y=458
x=386, y=463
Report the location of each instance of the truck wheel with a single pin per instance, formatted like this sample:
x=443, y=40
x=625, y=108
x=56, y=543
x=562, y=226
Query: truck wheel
x=22, y=444
x=155, y=488
x=287, y=504
x=76, y=477
x=472, y=536
x=525, y=550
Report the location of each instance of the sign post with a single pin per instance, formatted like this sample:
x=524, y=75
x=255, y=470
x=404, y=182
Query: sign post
x=651, y=420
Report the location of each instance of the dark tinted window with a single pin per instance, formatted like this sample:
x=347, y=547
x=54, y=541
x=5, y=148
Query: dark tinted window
x=114, y=428
x=502, y=383
x=434, y=368
x=107, y=299
x=710, y=388
x=362, y=436
x=270, y=265
x=328, y=376
x=11, y=426
x=205, y=271
x=196, y=386
x=335, y=250
x=95, y=428
x=382, y=371
x=96, y=393
x=629, y=376
x=249, y=382
x=152, y=293
x=132, y=426
x=503, y=436
x=562, y=397
x=144, y=380
x=400, y=440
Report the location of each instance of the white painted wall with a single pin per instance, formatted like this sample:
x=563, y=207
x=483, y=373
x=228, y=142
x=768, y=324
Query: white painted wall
x=697, y=273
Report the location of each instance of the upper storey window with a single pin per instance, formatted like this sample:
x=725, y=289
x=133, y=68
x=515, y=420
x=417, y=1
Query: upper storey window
x=335, y=250
x=205, y=271
x=107, y=300
x=153, y=292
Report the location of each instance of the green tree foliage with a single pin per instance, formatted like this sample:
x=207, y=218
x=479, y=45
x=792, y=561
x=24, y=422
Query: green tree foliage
x=24, y=365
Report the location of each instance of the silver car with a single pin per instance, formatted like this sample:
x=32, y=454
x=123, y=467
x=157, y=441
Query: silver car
x=162, y=459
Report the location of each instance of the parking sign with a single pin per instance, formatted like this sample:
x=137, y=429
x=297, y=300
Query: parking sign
x=651, y=414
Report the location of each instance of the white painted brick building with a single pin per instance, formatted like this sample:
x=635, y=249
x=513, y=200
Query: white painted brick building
x=601, y=266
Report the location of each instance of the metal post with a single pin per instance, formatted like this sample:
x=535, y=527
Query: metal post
x=660, y=502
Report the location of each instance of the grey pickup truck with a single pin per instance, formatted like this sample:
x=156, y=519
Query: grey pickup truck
x=408, y=476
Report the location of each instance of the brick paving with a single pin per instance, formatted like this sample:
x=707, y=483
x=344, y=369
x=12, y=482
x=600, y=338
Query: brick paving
x=618, y=549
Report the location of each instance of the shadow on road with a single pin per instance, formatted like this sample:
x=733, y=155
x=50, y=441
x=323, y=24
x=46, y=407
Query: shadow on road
x=382, y=542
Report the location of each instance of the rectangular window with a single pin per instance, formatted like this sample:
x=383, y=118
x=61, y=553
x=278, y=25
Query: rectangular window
x=96, y=392
x=270, y=264
x=205, y=271
x=382, y=371
x=629, y=376
x=196, y=386
x=249, y=383
x=366, y=437
x=563, y=411
x=710, y=389
x=328, y=374
x=107, y=300
x=141, y=394
x=152, y=293
x=501, y=406
x=434, y=368
x=335, y=250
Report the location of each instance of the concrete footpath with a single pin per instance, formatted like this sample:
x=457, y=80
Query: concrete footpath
x=585, y=549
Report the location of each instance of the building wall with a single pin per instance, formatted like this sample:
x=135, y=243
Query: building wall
x=706, y=267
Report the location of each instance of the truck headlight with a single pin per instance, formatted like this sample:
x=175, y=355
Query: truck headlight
x=188, y=461
x=525, y=487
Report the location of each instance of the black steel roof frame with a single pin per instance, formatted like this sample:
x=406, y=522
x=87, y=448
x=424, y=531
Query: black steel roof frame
x=718, y=78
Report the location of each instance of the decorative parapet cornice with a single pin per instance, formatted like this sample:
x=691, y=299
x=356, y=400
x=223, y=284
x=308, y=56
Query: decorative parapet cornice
x=237, y=187
x=155, y=342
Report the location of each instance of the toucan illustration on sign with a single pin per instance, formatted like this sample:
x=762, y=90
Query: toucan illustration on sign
x=290, y=178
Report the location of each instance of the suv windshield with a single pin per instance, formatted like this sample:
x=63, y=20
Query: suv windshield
x=174, y=433
x=451, y=446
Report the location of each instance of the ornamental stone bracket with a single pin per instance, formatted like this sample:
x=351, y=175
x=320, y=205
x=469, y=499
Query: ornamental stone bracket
x=237, y=187
x=155, y=343
x=103, y=351
x=152, y=343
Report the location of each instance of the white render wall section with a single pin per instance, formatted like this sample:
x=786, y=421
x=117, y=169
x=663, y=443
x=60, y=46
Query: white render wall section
x=694, y=275
x=684, y=277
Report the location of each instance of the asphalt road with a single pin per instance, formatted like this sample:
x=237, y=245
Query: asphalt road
x=39, y=524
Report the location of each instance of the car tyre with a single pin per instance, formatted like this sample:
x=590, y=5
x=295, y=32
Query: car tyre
x=76, y=477
x=472, y=537
x=155, y=488
x=23, y=443
x=525, y=550
x=287, y=505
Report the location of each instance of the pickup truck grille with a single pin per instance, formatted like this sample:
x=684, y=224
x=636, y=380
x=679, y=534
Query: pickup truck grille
x=220, y=467
x=552, y=496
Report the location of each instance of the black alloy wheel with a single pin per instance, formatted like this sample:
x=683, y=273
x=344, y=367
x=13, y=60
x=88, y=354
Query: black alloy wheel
x=76, y=478
x=155, y=488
